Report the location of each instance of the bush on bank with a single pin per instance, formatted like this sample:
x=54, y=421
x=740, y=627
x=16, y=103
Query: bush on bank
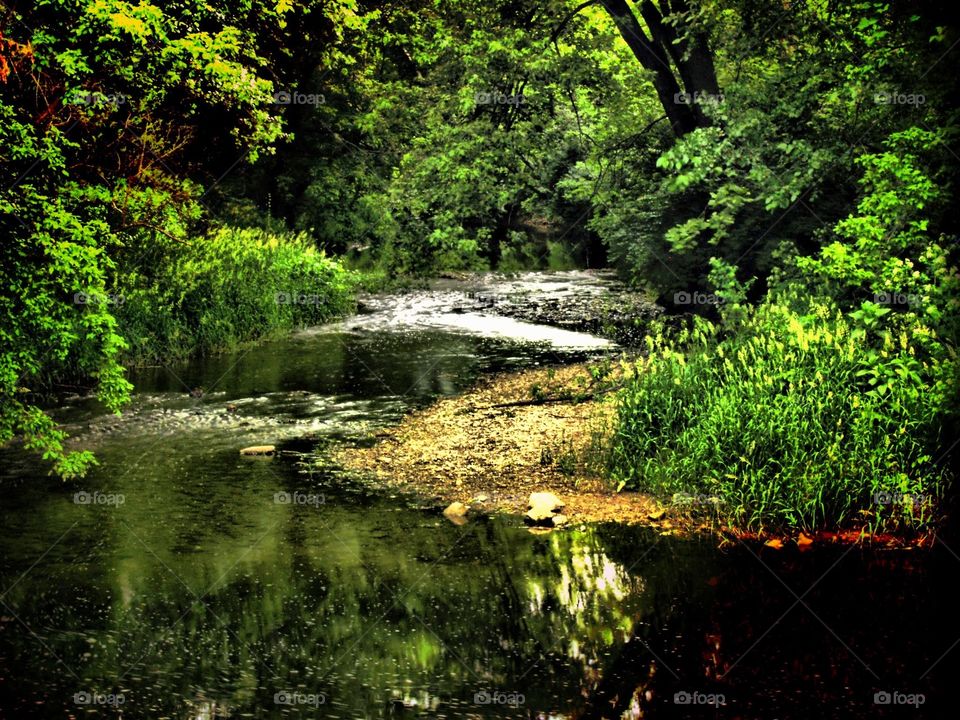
x=826, y=403
x=797, y=419
x=198, y=295
x=233, y=286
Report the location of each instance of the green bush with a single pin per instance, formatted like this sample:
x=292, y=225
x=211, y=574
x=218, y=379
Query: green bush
x=232, y=286
x=99, y=102
x=815, y=408
x=800, y=417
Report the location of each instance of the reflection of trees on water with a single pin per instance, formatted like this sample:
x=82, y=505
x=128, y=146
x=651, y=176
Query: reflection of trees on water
x=373, y=608
x=421, y=364
x=385, y=610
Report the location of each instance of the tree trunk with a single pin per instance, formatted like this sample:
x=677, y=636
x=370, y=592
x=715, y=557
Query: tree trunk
x=696, y=70
x=690, y=55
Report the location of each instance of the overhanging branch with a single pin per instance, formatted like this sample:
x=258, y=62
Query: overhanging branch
x=566, y=21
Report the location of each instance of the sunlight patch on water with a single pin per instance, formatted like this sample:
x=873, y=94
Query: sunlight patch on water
x=509, y=329
x=434, y=314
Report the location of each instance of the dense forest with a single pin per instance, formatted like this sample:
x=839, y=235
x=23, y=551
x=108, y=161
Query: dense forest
x=182, y=177
x=440, y=358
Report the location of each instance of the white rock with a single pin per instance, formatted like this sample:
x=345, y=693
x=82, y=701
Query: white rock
x=456, y=512
x=539, y=515
x=545, y=500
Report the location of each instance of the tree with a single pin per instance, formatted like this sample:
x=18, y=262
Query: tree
x=108, y=113
x=692, y=75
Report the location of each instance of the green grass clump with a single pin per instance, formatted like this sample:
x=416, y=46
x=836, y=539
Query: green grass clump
x=791, y=419
x=232, y=286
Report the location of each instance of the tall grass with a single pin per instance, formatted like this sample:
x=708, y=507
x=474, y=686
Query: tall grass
x=233, y=286
x=799, y=420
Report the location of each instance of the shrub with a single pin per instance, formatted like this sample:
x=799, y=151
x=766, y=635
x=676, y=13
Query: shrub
x=800, y=416
x=232, y=286
x=815, y=408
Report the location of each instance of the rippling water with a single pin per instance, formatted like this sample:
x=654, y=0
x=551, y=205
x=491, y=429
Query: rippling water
x=180, y=580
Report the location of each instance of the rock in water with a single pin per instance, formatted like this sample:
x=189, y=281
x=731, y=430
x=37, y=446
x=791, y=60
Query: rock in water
x=456, y=513
x=545, y=500
x=259, y=450
x=539, y=516
x=543, y=510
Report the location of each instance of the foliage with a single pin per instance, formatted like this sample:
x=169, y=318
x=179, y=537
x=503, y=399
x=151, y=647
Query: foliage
x=229, y=287
x=107, y=109
x=798, y=419
x=808, y=408
x=836, y=384
x=774, y=167
x=885, y=246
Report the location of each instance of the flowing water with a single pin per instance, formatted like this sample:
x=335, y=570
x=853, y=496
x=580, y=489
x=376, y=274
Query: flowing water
x=180, y=580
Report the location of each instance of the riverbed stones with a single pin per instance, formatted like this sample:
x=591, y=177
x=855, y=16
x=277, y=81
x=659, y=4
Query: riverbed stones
x=544, y=508
x=259, y=450
x=456, y=512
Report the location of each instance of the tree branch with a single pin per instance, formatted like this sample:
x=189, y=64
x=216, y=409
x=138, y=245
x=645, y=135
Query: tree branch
x=573, y=13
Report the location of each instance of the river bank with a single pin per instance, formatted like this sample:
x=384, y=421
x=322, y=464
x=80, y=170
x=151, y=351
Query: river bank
x=539, y=430
x=492, y=446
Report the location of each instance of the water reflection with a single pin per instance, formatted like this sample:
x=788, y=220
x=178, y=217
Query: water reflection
x=373, y=608
x=224, y=587
x=203, y=597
